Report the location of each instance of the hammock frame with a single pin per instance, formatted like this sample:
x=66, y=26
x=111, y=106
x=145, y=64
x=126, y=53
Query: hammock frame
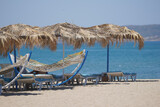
x=78, y=69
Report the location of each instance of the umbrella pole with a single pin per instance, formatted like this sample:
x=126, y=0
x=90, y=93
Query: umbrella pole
x=14, y=54
x=63, y=57
x=15, y=69
x=108, y=58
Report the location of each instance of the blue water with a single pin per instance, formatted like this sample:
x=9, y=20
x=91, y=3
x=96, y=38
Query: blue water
x=126, y=58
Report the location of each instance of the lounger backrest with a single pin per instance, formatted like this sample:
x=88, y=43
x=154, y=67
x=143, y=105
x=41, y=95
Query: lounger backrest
x=115, y=73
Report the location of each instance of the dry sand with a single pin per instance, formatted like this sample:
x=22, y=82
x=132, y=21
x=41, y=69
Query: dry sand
x=143, y=93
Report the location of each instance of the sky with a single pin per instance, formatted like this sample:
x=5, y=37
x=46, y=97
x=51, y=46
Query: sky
x=80, y=12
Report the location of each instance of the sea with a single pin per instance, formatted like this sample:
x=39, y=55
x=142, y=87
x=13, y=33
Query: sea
x=126, y=58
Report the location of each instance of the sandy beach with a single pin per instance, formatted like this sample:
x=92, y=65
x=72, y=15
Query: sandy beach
x=143, y=93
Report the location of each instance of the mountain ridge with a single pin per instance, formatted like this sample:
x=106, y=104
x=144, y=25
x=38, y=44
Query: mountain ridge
x=149, y=32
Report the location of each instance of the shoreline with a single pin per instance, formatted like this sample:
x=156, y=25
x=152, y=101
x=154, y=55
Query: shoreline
x=143, y=92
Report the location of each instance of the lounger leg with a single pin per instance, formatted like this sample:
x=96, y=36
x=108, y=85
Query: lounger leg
x=100, y=78
x=57, y=82
x=82, y=81
x=111, y=78
x=51, y=84
x=33, y=85
x=36, y=85
x=135, y=78
x=24, y=86
x=127, y=78
x=72, y=81
x=118, y=78
x=86, y=81
x=124, y=77
x=77, y=80
x=97, y=80
x=9, y=87
x=114, y=78
x=40, y=86
x=132, y=78
x=20, y=86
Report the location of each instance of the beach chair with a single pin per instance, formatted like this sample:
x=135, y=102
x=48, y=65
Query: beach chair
x=58, y=78
x=127, y=75
x=44, y=79
x=114, y=75
x=76, y=78
x=120, y=75
x=26, y=80
x=83, y=78
x=31, y=80
x=91, y=77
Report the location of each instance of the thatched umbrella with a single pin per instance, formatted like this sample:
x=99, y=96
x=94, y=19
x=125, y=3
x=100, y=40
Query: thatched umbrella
x=104, y=34
x=30, y=36
x=27, y=35
x=7, y=42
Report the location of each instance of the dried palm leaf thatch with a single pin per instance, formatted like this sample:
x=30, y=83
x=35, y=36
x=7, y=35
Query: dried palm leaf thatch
x=104, y=34
x=7, y=42
x=31, y=36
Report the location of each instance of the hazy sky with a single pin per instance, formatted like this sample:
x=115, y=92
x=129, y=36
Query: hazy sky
x=81, y=12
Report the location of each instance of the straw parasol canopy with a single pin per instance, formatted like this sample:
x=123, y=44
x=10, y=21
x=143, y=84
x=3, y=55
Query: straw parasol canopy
x=30, y=36
x=104, y=34
x=7, y=42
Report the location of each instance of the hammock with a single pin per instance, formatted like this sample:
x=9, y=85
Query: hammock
x=23, y=61
x=69, y=60
x=9, y=68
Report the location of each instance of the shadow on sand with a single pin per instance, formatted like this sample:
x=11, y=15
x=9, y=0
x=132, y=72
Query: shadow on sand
x=101, y=83
x=31, y=91
x=147, y=80
x=18, y=94
x=70, y=87
x=62, y=88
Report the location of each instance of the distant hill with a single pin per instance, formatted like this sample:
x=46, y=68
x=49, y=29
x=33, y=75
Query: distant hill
x=149, y=32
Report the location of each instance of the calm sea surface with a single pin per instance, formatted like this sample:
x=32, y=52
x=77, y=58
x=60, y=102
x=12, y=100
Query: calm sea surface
x=126, y=58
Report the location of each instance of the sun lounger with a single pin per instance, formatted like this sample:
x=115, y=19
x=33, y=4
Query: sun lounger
x=58, y=78
x=26, y=79
x=127, y=75
x=83, y=77
x=35, y=80
x=113, y=75
x=76, y=77
x=120, y=75
x=44, y=79
x=91, y=77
